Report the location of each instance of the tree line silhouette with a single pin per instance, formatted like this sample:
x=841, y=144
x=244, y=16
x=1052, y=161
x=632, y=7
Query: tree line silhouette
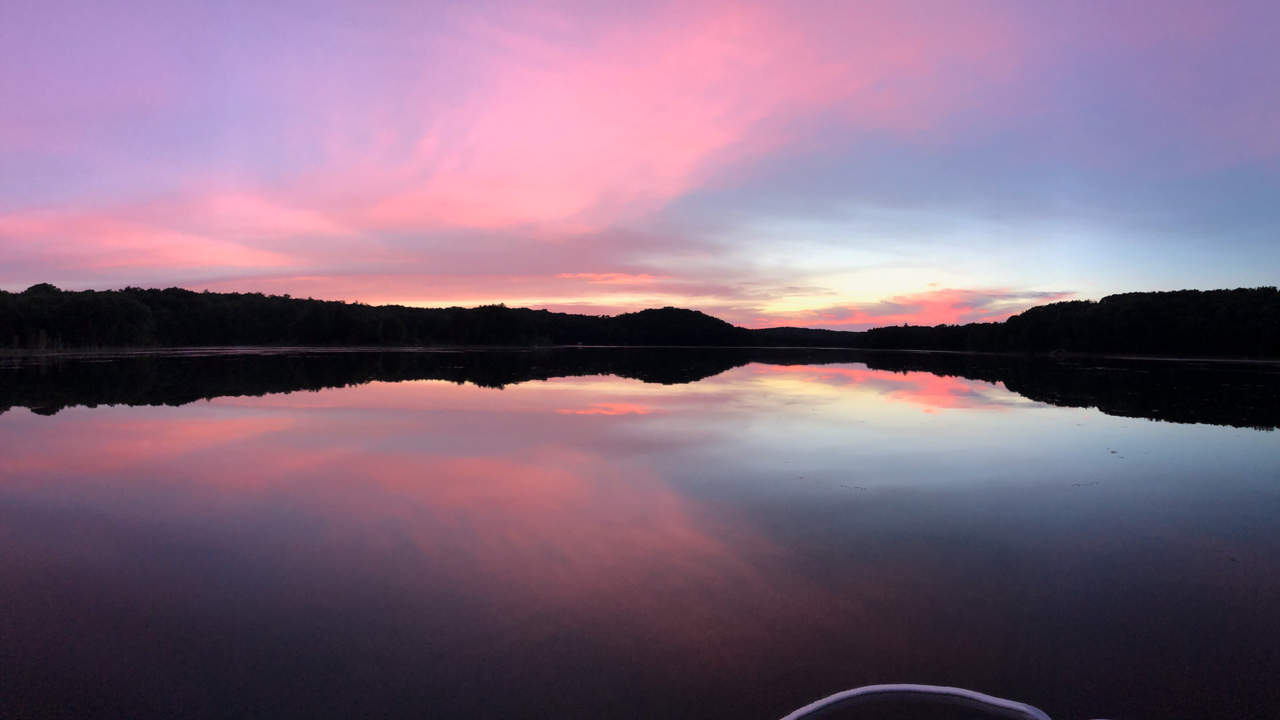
x=1242, y=323
x=44, y=318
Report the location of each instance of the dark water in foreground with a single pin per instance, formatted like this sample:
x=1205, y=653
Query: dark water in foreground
x=696, y=535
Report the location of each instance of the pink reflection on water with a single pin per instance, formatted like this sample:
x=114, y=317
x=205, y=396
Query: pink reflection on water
x=85, y=442
x=609, y=409
x=934, y=392
x=361, y=508
x=533, y=513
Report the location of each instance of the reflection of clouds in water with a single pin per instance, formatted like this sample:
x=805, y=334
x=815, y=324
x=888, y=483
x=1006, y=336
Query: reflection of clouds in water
x=83, y=441
x=532, y=522
x=935, y=392
x=608, y=409
x=475, y=538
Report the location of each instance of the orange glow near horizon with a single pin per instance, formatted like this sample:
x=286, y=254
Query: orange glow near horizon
x=933, y=392
x=609, y=409
x=941, y=306
x=617, y=293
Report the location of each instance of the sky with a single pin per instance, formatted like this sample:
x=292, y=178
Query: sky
x=827, y=164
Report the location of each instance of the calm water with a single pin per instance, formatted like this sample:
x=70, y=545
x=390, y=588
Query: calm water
x=700, y=535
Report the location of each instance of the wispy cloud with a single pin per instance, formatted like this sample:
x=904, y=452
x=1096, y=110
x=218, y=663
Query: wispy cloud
x=614, y=278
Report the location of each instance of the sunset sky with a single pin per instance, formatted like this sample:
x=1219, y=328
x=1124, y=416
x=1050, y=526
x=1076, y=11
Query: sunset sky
x=840, y=164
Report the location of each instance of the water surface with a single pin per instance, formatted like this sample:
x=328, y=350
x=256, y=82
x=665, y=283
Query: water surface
x=633, y=534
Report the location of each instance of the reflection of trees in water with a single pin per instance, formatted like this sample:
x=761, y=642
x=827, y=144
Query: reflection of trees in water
x=1240, y=395
x=1234, y=394
x=156, y=379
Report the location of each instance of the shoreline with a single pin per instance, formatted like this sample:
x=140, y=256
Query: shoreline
x=233, y=350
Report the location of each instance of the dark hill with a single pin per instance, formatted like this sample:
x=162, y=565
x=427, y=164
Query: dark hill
x=1242, y=323
x=46, y=318
x=677, y=326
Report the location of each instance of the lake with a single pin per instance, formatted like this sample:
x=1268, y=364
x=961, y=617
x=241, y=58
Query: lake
x=595, y=533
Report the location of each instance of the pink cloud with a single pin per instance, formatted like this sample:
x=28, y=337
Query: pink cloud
x=89, y=241
x=592, y=293
x=613, y=278
x=316, y=158
x=563, y=123
x=637, y=110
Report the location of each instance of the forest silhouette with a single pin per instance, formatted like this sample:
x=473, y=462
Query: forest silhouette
x=1241, y=323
